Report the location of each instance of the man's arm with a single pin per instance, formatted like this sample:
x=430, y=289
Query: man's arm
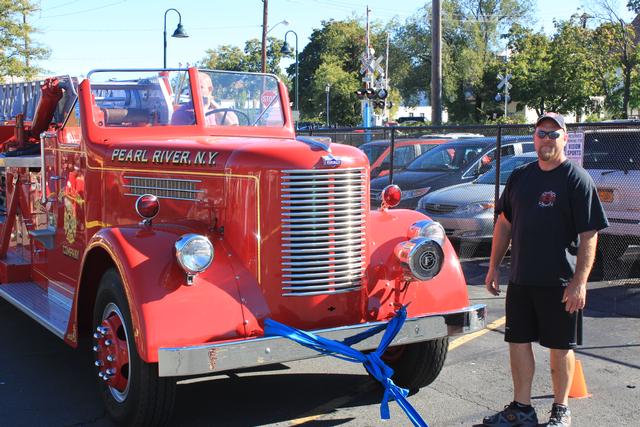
x=499, y=246
x=575, y=295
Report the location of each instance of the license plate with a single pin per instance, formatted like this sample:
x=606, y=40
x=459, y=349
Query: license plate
x=606, y=195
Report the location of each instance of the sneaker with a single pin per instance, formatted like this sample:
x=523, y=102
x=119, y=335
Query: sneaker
x=512, y=415
x=560, y=416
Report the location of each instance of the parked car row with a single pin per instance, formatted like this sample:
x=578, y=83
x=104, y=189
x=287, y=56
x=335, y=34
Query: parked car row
x=451, y=163
x=453, y=181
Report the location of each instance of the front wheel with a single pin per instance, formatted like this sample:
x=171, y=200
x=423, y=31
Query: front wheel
x=417, y=365
x=132, y=392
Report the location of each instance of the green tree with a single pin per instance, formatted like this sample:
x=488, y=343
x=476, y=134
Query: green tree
x=232, y=58
x=622, y=46
x=332, y=56
x=18, y=51
x=556, y=74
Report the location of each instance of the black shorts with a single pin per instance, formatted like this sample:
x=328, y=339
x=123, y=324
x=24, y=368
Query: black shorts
x=537, y=313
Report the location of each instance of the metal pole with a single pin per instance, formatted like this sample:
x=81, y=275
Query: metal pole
x=164, y=34
x=327, y=89
x=436, y=64
x=265, y=11
x=393, y=148
x=386, y=79
x=297, y=76
x=497, y=160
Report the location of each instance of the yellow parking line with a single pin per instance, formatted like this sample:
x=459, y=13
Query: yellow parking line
x=466, y=338
x=345, y=399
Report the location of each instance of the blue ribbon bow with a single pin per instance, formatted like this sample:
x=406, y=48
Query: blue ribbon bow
x=371, y=361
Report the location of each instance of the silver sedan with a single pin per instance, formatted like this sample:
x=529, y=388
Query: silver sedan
x=466, y=210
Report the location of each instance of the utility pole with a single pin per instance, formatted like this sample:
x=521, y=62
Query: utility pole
x=436, y=63
x=265, y=12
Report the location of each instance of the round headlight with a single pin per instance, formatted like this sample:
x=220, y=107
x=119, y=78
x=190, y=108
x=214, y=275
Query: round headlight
x=194, y=253
x=429, y=229
x=420, y=258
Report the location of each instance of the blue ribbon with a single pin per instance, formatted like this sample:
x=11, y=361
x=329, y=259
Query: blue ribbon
x=371, y=361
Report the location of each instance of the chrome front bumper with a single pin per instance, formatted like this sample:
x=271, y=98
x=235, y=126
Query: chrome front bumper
x=209, y=358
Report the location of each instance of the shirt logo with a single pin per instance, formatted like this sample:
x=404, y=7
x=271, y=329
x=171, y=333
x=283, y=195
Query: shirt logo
x=547, y=199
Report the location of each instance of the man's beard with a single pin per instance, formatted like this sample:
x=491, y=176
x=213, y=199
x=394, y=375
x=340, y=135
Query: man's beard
x=546, y=153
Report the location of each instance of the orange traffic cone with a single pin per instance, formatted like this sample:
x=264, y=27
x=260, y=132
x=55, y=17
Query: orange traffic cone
x=578, y=388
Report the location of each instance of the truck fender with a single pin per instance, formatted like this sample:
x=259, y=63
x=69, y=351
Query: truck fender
x=165, y=311
x=446, y=291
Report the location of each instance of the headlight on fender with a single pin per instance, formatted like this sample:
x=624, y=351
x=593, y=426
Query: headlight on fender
x=194, y=253
x=427, y=228
x=421, y=258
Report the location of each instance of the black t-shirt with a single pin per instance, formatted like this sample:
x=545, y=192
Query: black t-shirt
x=547, y=210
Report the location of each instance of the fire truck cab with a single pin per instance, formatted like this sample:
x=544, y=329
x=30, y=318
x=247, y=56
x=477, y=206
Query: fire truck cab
x=157, y=218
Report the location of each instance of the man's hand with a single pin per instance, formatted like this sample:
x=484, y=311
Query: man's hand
x=492, y=281
x=575, y=296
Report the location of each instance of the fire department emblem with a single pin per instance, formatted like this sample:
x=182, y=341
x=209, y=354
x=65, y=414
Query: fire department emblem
x=547, y=199
x=70, y=223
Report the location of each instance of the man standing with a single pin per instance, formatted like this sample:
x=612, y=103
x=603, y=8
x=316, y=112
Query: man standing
x=550, y=213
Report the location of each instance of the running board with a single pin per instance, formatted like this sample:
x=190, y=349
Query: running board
x=49, y=308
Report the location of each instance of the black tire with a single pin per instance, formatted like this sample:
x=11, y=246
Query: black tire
x=134, y=395
x=417, y=365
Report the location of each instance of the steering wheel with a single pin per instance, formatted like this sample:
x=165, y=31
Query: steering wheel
x=226, y=111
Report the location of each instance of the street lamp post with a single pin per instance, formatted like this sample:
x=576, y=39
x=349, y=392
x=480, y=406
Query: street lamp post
x=327, y=89
x=178, y=33
x=287, y=51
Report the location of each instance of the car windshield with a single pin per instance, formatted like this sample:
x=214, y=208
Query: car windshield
x=506, y=167
x=446, y=157
x=373, y=151
x=160, y=98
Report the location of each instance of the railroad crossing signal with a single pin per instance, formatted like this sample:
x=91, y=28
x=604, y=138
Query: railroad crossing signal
x=504, y=81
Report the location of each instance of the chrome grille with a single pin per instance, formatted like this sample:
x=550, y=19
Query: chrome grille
x=323, y=231
x=164, y=188
x=439, y=208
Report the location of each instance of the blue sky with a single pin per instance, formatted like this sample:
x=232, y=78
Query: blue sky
x=84, y=35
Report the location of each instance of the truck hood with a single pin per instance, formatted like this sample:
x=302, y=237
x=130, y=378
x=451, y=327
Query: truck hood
x=229, y=153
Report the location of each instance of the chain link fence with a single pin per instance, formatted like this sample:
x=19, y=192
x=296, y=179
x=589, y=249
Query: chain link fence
x=454, y=174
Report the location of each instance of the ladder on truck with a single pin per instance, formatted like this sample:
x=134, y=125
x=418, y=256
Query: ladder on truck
x=48, y=304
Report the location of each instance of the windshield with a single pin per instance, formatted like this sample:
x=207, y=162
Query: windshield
x=161, y=98
x=244, y=99
x=446, y=158
x=373, y=151
x=506, y=167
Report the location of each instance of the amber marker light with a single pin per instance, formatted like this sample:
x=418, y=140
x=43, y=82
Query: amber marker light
x=147, y=206
x=391, y=196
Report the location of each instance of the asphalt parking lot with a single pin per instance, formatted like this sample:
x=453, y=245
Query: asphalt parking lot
x=45, y=383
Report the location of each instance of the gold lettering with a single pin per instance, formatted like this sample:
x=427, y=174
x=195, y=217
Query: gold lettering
x=157, y=156
x=71, y=252
x=185, y=157
x=199, y=159
x=121, y=155
x=115, y=153
x=212, y=157
x=129, y=156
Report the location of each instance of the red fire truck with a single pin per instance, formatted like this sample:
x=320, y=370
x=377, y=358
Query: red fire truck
x=159, y=217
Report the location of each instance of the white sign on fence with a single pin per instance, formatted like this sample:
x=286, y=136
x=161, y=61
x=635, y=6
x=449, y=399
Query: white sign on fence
x=574, y=149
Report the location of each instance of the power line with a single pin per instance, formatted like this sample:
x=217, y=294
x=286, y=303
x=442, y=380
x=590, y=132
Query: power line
x=83, y=11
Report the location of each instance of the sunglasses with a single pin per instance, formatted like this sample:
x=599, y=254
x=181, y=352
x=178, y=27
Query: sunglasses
x=551, y=134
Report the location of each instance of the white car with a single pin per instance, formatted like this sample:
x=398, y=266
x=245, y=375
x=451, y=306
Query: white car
x=612, y=158
x=466, y=210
